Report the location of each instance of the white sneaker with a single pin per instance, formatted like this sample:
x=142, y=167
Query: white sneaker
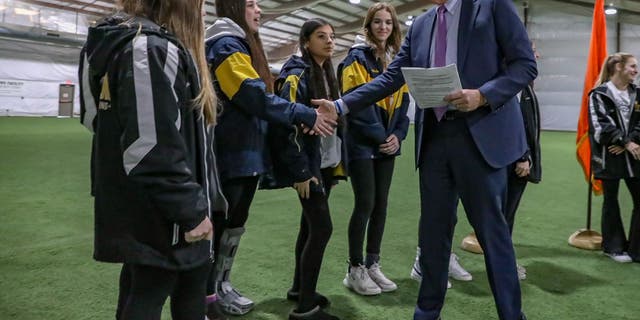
x=358, y=280
x=416, y=273
x=619, y=257
x=522, y=272
x=380, y=279
x=456, y=271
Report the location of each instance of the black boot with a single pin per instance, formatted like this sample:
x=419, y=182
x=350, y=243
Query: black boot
x=214, y=312
x=320, y=300
x=313, y=314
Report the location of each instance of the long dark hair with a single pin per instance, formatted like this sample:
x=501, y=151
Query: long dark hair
x=235, y=10
x=183, y=19
x=318, y=89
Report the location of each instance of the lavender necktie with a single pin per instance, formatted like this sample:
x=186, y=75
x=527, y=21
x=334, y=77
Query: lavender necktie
x=440, y=57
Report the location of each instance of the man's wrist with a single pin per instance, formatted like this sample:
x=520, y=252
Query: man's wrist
x=338, y=104
x=483, y=100
x=341, y=107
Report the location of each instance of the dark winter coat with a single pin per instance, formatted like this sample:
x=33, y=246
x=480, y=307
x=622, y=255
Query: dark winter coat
x=153, y=167
x=606, y=128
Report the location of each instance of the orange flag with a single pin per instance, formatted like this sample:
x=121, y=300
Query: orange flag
x=597, y=55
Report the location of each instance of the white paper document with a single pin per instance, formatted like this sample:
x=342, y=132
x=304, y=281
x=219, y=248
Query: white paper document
x=428, y=86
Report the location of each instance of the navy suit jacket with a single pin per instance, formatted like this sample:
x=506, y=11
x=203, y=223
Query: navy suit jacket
x=494, y=56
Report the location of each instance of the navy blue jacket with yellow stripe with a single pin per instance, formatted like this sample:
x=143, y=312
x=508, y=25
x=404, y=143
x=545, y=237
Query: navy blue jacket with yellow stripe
x=246, y=104
x=296, y=156
x=369, y=128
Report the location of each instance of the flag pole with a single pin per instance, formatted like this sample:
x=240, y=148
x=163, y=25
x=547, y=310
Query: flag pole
x=589, y=197
x=586, y=238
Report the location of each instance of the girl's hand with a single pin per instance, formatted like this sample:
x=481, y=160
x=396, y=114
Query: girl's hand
x=615, y=149
x=203, y=231
x=391, y=145
x=634, y=149
x=522, y=168
x=303, y=188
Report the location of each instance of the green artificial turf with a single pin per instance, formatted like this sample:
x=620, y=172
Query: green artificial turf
x=46, y=232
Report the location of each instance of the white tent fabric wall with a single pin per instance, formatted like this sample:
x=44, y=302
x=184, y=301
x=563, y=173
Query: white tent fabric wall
x=562, y=33
x=629, y=35
x=31, y=74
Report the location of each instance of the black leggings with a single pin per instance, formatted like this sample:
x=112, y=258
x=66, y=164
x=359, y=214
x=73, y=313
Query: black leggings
x=239, y=193
x=144, y=289
x=613, y=237
x=314, y=234
x=370, y=180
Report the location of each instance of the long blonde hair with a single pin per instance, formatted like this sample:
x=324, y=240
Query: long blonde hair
x=609, y=66
x=183, y=18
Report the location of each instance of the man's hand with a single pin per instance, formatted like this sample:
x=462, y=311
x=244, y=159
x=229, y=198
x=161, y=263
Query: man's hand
x=391, y=145
x=634, y=149
x=466, y=100
x=303, y=188
x=522, y=168
x=203, y=231
x=614, y=149
x=328, y=110
x=326, y=117
x=326, y=106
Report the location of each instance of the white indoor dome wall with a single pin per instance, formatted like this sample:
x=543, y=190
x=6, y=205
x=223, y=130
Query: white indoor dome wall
x=561, y=32
x=31, y=75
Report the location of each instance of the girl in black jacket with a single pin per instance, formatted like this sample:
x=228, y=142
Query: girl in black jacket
x=614, y=133
x=153, y=169
x=308, y=163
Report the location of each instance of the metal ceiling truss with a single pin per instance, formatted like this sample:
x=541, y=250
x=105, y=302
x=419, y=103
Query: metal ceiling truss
x=281, y=19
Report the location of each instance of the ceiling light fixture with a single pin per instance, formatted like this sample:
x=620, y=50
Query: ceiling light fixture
x=610, y=10
x=409, y=21
x=354, y=1
x=25, y=12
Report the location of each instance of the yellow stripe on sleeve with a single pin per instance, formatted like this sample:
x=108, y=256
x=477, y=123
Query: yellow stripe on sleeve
x=354, y=75
x=293, y=81
x=233, y=71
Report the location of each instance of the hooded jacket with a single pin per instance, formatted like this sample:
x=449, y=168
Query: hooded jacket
x=245, y=102
x=296, y=156
x=607, y=128
x=369, y=128
x=153, y=167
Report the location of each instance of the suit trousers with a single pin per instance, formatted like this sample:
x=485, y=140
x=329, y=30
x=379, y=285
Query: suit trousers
x=452, y=168
x=515, y=189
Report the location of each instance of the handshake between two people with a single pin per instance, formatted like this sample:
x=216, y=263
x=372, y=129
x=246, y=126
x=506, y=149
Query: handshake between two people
x=464, y=100
x=326, y=118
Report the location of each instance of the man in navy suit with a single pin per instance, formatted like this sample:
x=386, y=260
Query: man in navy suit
x=463, y=149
